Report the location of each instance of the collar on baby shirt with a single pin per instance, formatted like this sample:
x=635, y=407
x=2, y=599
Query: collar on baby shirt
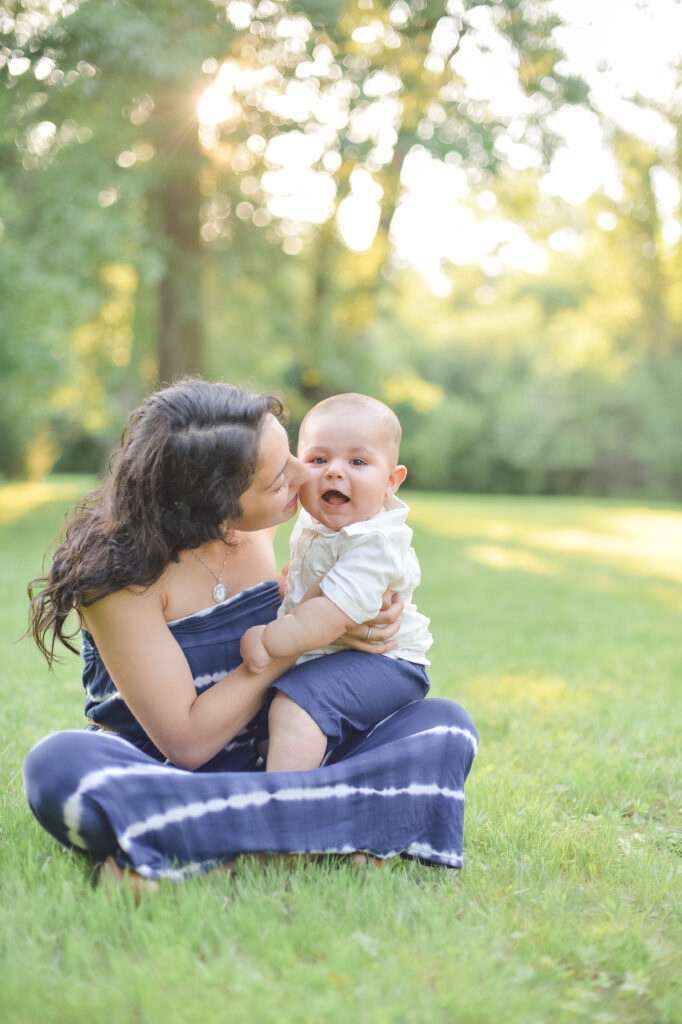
x=394, y=515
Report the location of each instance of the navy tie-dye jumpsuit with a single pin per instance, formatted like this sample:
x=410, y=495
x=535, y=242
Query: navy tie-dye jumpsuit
x=397, y=788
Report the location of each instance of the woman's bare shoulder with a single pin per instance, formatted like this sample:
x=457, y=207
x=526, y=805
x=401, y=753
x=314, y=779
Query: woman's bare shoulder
x=184, y=587
x=146, y=603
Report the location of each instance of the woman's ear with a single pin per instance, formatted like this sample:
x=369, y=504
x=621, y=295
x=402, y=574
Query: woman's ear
x=395, y=478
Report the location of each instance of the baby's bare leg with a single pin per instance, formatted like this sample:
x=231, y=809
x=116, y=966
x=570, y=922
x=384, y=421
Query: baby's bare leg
x=296, y=741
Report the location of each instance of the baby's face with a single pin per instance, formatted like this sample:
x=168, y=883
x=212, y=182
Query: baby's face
x=351, y=468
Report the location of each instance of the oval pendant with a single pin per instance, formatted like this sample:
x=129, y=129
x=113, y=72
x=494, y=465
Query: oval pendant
x=219, y=593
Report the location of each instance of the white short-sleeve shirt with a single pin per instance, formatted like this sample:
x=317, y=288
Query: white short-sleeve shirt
x=354, y=567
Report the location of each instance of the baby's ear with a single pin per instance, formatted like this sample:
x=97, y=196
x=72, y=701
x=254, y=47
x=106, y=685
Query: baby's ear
x=395, y=478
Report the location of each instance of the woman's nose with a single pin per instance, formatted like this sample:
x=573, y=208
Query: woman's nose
x=298, y=472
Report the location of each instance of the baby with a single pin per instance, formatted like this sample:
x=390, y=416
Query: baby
x=351, y=543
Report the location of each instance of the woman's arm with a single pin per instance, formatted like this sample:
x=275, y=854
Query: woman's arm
x=153, y=677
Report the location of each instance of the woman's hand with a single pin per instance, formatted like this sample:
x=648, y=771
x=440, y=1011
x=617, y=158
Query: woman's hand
x=282, y=580
x=375, y=637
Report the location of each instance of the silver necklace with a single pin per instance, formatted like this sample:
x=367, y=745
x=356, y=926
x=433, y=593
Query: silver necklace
x=219, y=591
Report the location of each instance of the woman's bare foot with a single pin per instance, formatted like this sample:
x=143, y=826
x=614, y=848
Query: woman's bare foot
x=360, y=859
x=111, y=876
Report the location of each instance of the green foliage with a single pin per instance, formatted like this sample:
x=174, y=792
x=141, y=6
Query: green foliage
x=564, y=381
x=526, y=405
x=105, y=159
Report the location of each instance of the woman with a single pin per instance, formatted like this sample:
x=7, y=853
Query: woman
x=167, y=564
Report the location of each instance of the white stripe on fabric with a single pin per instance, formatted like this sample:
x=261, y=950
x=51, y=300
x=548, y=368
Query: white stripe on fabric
x=258, y=798
x=178, y=874
x=71, y=810
x=208, y=678
x=448, y=857
x=236, y=743
x=436, y=730
x=90, y=698
x=201, y=683
x=426, y=850
x=72, y=805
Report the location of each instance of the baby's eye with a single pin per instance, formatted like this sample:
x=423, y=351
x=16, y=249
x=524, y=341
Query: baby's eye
x=317, y=460
x=358, y=462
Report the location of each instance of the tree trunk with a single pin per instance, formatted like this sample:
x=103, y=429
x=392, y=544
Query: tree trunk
x=180, y=332
x=180, y=328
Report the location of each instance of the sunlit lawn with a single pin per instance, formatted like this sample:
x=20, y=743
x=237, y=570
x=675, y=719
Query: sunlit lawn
x=557, y=624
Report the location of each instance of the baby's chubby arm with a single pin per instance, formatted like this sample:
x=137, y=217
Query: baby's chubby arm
x=363, y=571
x=313, y=623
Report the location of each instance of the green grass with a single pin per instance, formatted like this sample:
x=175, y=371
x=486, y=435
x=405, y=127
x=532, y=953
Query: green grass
x=557, y=625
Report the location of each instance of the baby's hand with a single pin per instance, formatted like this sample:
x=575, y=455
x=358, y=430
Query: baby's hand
x=253, y=650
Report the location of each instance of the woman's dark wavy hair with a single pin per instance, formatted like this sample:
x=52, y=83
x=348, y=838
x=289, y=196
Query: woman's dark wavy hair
x=187, y=454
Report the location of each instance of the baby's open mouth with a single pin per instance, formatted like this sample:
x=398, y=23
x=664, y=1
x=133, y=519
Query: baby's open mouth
x=335, y=498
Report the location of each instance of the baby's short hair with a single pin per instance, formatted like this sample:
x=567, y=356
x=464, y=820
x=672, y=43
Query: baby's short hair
x=367, y=406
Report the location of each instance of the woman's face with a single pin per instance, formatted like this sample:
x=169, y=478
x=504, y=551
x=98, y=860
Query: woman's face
x=272, y=496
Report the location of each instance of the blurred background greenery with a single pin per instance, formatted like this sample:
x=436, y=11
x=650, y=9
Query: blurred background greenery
x=390, y=196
